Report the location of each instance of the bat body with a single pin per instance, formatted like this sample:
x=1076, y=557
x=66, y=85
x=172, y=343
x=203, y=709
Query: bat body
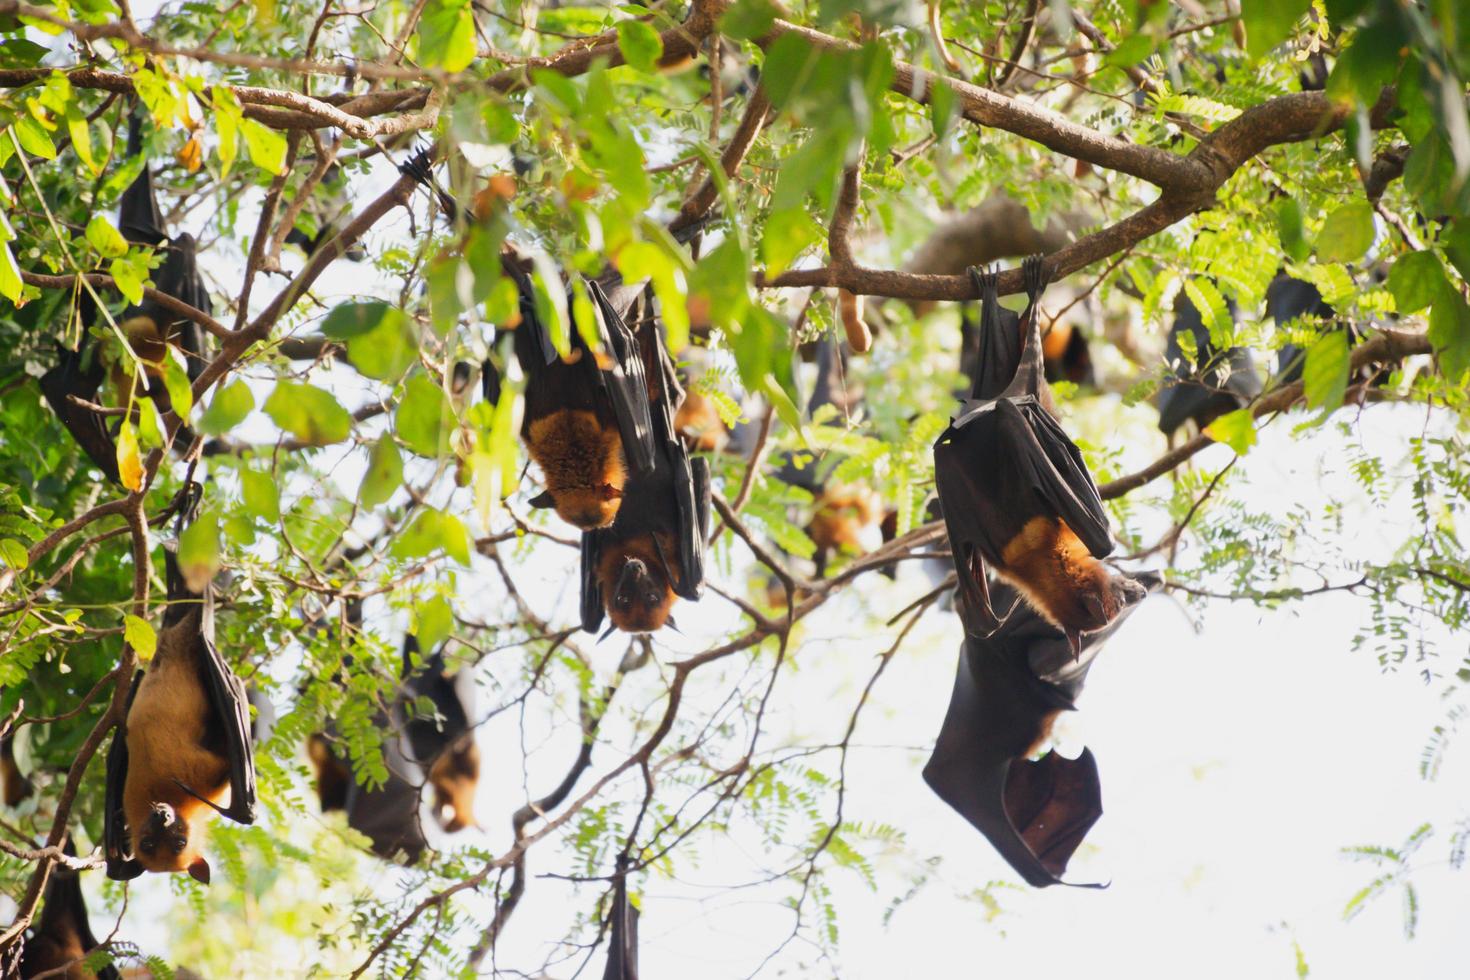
x=149, y=329
x=444, y=745
x=14, y=786
x=700, y=425
x=1066, y=355
x=654, y=550
x=387, y=815
x=1289, y=299
x=1009, y=689
x=1222, y=383
x=1017, y=497
x=63, y=936
x=586, y=423
x=622, y=940
x=184, y=747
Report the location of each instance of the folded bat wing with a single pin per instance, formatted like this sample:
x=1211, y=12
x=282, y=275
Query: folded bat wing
x=622, y=943
x=117, y=847
x=231, y=704
x=69, y=378
x=626, y=384
x=388, y=815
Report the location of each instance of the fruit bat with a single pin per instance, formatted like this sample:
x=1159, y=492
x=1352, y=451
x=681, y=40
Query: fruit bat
x=1067, y=357
x=654, y=549
x=1289, y=299
x=1222, y=382
x=149, y=328
x=443, y=745
x=622, y=942
x=841, y=513
x=388, y=815
x=1009, y=689
x=184, y=746
x=587, y=421
x=63, y=936
x=14, y=786
x=1017, y=497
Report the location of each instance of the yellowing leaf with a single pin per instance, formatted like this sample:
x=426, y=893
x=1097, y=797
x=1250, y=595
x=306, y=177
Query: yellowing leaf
x=129, y=461
x=138, y=634
x=267, y=147
x=1236, y=430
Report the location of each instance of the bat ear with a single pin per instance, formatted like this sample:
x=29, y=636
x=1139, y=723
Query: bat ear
x=199, y=870
x=543, y=499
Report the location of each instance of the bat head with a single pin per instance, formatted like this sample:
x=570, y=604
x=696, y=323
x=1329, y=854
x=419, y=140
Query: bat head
x=1113, y=594
x=584, y=507
x=641, y=598
x=455, y=775
x=165, y=843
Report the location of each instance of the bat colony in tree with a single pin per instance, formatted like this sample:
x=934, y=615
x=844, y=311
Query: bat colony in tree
x=611, y=429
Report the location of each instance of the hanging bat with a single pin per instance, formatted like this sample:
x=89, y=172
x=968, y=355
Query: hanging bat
x=14, y=786
x=1289, y=299
x=586, y=423
x=1066, y=355
x=443, y=745
x=1018, y=499
x=654, y=550
x=1064, y=349
x=1222, y=383
x=149, y=328
x=1008, y=691
x=184, y=746
x=63, y=936
x=387, y=815
x=622, y=941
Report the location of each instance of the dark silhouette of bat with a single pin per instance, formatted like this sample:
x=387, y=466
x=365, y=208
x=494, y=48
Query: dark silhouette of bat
x=622, y=941
x=443, y=744
x=654, y=550
x=184, y=746
x=1290, y=299
x=14, y=786
x=841, y=513
x=63, y=936
x=1067, y=357
x=1016, y=495
x=149, y=328
x=586, y=423
x=1008, y=691
x=388, y=815
x=1220, y=383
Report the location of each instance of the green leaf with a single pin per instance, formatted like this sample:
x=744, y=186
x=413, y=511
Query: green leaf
x=384, y=473
x=747, y=20
x=786, y=235
x=1449, y=332
x=1456, y=244
x=1131, y=50
x=431, y=530
x=1415, y=281
x=640, y=44
x=14, y=554
x=199, y=549
x=267, y=147
x=1269, y=22
x=1325, y=377
x=10, y=281
x=1347, y=234
x=447, y=35
x=138, y=634
x=262, y=496
x=129, y=282
x=308, y=413
x=176, y=383
x=433, y=622
x=381, y=342
x=1289, y=229
x=150, y=424
x=227, y=118
x=1236, y=429
x=33, y=138
x=424, y=418
x=227, y=409
x=81, y=139
x=107, y=240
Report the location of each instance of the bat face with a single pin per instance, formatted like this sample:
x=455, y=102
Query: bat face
x=332, y=774
x=640, y=596
x=700, y=425
x=166, y=842
x=583, y=465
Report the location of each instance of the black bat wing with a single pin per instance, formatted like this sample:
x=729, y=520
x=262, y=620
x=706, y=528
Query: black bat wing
x=1227, y=382
x=1000, y=465
x=88, y=428
x=429, y=737
x=592, y=607
x=388, y=815
x=231, y=704
x=117, y=846
x=626, y=385
x=622, y=942
x=993, y=363
x=1035, y=814
x=692, y=499
x=139, y=217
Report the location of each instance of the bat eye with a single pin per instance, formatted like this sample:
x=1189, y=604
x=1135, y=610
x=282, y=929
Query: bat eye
x=179, y=845
x=146, y=845
x=651, y=598
x=623, y=602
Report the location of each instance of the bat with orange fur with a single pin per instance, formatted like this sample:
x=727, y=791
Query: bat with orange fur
x=634, y=570
x=1017, y=497
x=63, y=937
x=184, y=748
x=1009, y=690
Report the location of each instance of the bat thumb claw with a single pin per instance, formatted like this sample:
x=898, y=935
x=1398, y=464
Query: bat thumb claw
x=1074, y=640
